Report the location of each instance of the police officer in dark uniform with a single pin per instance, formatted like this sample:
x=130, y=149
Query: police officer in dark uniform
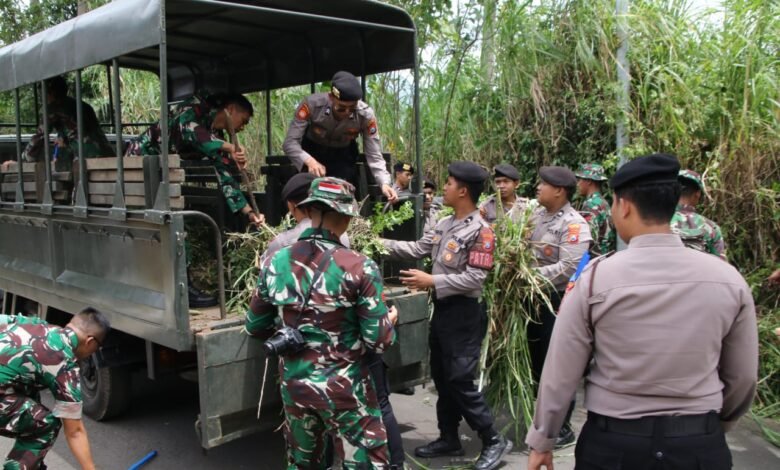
x=322, y=135
x=461, y=247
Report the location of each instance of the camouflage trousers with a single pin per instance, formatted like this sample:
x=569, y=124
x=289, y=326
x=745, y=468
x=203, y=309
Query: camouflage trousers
x=32, y=425
x=359, y=437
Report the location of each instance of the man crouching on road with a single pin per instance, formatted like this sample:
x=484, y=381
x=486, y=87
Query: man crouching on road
x=35, y=355
x=330, y=301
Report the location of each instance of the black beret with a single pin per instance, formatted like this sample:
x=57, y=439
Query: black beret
x=559, y=176
x=346, y=87
x=467, y=172
x=429, y=184
x=403, y=167
x=298, y=187
x=505, y=169
x=655, y=168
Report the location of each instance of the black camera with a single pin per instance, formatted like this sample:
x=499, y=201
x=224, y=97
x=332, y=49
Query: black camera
x=284, y=342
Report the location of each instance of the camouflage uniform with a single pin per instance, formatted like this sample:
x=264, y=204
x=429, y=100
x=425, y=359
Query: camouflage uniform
x=597, y=213
x=695, y=230
x=698, y=232
x=62, y=119
x=595, y=209
x=326, y=387
x=34, y=356
x=190, y=133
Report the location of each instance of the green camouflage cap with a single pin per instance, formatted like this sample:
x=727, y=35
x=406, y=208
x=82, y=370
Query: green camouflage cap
x=691, y=176
x=334, y=193
x=591, y=171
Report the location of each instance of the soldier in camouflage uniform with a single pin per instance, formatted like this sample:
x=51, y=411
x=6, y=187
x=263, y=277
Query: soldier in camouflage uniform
x=695, y=230
x=34, y=356
x=595, y=209
x=62, y=119
x=326, y=387
x=197, y=129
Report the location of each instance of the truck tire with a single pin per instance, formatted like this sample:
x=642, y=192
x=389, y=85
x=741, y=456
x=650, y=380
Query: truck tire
x=105, y=390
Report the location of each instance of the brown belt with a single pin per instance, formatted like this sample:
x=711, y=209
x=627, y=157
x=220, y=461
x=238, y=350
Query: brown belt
x=671, y=426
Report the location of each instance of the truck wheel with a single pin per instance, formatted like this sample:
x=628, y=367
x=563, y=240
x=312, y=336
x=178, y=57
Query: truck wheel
x=105, y=390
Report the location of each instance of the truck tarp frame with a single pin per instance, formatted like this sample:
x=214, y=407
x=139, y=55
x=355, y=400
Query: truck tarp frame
x=243, y=46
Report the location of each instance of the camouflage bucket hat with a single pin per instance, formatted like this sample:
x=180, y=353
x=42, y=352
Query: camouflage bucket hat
x=692, y=176
x=591, y=171
x=334, y=193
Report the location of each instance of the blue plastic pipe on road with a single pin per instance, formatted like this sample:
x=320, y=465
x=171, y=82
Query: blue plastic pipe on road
x=143, y=461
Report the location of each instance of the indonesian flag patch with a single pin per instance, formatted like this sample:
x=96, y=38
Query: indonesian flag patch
x=574, y=233
x=302, y=114
x=372, y=127
x=330, y=187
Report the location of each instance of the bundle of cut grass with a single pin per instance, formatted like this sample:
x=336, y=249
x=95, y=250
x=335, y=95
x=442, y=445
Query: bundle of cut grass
x=243, y=250
x=513, y=292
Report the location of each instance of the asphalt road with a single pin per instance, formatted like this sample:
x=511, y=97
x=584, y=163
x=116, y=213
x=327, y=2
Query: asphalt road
x=163, y=414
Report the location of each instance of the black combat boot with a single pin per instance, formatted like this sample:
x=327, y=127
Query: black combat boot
x=493, y=449
x=199, y=299
x=448, y=444
x=565, y=437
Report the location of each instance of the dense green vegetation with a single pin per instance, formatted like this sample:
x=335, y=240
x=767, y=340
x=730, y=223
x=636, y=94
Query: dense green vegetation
x=535, y=83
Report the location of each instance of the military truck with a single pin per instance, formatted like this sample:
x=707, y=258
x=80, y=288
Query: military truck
x=110, y=232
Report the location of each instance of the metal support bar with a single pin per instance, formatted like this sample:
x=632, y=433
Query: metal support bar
x=417, y=182
x=36, y=104
x=118, y=209
x=47, y=199
x=268, y=143
x=19, y=179
x=220, y=267
x=82, y=188
x=163, y=200
x=110, y=95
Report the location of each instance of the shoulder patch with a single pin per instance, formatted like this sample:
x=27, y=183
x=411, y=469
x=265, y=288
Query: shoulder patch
x=481, y=253
x=303, y=113
x=574, y=233
x=372, y=127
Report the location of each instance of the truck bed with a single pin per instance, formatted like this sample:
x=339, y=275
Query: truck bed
x=201, y=318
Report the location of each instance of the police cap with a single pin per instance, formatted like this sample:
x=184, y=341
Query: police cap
x=467, y=172
x=346, y=87
x=429, y=184
x=507, y=170
x=655, y=168
x=559, y=176
x=298, y=187
x=403, y=167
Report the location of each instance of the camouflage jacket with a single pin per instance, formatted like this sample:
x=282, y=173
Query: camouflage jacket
x=596, y=212
x=191, y=135
x=62, y=119
x=34, y=356
x=345, y=317
x=698, y=232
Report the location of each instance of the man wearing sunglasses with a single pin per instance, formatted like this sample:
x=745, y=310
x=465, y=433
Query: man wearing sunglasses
x=35, y=356
x=322, y=135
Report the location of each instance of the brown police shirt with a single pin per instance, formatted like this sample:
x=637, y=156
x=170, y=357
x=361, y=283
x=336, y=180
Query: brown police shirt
x=672, y=331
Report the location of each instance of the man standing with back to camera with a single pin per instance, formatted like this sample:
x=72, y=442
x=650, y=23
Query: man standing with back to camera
x=672, y=336
x=329, y=299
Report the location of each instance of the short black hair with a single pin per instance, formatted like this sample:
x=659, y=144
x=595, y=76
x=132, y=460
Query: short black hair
x=570, y=190
x=57, y=85
x=93, y=322
x=688, y=187
x=656, y=202
x=226, y=99
x=475, y=189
